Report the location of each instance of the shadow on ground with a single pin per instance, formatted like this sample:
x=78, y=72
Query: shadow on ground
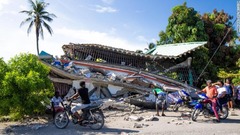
x=50, y=129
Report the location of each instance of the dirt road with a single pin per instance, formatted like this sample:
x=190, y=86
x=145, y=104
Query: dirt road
x=116, y=123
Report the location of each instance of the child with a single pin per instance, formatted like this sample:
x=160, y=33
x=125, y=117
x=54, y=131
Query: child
x=56, y=100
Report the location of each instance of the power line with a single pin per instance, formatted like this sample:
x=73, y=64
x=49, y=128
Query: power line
x=216, y=50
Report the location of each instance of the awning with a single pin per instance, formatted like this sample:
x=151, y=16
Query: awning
x=175, y=50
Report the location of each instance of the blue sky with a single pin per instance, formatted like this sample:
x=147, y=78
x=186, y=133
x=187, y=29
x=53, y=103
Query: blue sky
x=128, y=24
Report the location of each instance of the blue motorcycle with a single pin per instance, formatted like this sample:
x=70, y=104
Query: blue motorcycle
x=185, y=100
x=206, y=109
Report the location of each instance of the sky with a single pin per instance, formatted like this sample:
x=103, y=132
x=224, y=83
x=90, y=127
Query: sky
x=127, y=24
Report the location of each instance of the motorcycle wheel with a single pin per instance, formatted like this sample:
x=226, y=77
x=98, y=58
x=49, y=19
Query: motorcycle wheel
x=225, y=113
x=195, y=114
x=96, y=120
x=61, y=120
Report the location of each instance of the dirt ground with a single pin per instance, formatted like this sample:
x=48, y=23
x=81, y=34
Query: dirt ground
x=118, y=122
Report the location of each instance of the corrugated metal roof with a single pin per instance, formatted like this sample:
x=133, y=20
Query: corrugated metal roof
x=170, y=51
x=176, y=50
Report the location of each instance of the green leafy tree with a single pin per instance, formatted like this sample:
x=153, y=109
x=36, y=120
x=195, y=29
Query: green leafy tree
x=217, y=24
x=38, y=17
x=184, y=25
x=233, y=74
x=25, y=86
x=3, y=70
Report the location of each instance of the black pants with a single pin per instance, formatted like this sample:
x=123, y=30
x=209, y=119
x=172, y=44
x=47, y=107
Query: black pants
x=222, y=101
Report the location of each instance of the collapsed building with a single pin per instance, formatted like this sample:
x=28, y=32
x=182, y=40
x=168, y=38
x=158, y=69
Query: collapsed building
x=113, y=72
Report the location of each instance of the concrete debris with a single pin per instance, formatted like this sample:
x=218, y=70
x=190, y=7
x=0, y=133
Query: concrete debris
x=137, y=125
x=172, y=120
x=151, y=118
x=123, y=133
x=186, y=114
x=135, y=118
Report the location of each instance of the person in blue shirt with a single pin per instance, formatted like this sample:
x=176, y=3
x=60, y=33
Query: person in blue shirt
x=160, y=99
x=230, y=92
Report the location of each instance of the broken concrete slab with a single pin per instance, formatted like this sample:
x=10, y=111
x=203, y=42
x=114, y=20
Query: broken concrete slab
x=137, y=125
x=151, y=118
x=135, y=118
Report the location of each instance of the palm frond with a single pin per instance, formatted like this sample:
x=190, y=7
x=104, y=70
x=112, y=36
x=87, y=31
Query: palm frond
x=26, y=12
x=30, y=27
x=45, y=13
x=49, y=29
x=52, y=15
x=47, y=18
x=32, y=4
x=41, y=31
x=25, y=21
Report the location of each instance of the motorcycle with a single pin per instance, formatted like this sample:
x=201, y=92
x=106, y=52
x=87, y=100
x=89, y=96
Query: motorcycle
x=92, y=116
x=184, y=101
x=206, y=109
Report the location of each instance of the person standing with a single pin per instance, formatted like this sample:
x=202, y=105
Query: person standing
x=160, y=99
x=222, y=94
x=211, y=93
x=55, y=101
x=230, y=92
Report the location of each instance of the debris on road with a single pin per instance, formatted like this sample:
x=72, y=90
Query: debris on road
x=137, y=125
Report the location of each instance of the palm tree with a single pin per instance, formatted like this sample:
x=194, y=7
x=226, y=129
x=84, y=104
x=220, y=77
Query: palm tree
x=38, y=16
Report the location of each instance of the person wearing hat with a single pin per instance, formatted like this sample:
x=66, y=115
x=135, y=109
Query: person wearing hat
x=160, y=99
x=211, y=93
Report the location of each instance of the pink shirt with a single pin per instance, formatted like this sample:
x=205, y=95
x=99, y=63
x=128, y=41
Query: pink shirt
x=210, y=91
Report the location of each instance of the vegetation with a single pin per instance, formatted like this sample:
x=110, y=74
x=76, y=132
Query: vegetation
x=3, y=70
x=235, y=74
x=186, y=25
x=24, y=86
x=38, y=16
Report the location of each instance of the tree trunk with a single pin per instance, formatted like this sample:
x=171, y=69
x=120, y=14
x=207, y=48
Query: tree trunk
x=37, y=39
x=37, y=24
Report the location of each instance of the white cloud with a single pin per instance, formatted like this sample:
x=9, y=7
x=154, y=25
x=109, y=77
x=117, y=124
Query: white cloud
x=102, y=9
x=2, y=3
x=88, y=36
x=108, y=1
x=112, y=31
x=142, y=38
x=23, y=7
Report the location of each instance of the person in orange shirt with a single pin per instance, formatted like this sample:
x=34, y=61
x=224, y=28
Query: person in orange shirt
x=211, y=93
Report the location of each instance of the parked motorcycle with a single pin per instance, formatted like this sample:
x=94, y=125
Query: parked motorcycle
x=206, y=109
x=92, y=115
x=184, y=101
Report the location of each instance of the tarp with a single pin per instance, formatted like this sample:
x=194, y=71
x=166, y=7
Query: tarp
x=45, y=55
